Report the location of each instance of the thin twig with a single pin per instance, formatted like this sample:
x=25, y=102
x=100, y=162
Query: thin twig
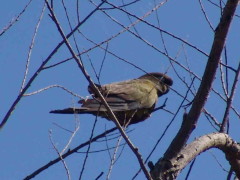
x=223, y=82
x=59, y=155
x=41, y=67
x=124, y=5
x=16, y=19
x=31, y=47
x=155, y=27
x=77, y=125
x=103, y=60
x=229, y=101
x=99, y=176
x=113, y=158
x=69, y=23
x=55, y=86
x=61, y=127
x=101, y=150
x=68, y=153
x=190, y=169
x=205, y=15
x=88, y=149
x=220, y=165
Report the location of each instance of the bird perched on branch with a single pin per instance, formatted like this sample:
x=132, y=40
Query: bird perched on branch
x=131, y=101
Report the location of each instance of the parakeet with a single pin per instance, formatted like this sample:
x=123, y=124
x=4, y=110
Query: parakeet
x=131, y=101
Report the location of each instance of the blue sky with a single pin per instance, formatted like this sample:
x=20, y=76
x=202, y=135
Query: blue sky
x=25, y=142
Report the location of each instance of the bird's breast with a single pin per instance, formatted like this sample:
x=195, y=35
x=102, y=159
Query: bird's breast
x=147, y=94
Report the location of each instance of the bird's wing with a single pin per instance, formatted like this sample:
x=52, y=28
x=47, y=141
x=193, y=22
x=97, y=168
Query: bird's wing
x=126, y=95
x=115, y=103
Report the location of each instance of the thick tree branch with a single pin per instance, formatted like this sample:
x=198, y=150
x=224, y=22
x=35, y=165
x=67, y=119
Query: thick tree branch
x=215, y=140
x=190, y=120
x=192, y=117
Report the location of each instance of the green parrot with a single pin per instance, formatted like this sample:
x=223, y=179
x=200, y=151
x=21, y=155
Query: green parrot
x=131, y=101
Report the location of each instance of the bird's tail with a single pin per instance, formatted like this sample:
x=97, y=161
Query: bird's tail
x=70, y=111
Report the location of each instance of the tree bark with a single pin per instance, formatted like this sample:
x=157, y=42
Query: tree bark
x=168, y=169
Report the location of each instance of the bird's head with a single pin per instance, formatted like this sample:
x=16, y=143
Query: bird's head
x=162, y=81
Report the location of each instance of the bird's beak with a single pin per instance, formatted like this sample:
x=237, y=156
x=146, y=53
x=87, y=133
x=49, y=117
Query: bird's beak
x=162, y=89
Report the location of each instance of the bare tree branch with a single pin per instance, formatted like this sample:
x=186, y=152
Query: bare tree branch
x=41, y=67
x=60, y=156
x=203, y=92
x=31, y=47
x=215, y=140
x=229, y=101
x=16, y=19
x=190, y=120
x=68, y=153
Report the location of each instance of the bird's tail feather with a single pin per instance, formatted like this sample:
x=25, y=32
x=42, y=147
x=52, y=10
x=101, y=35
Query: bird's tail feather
x=70, y=111
x=93, y=106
